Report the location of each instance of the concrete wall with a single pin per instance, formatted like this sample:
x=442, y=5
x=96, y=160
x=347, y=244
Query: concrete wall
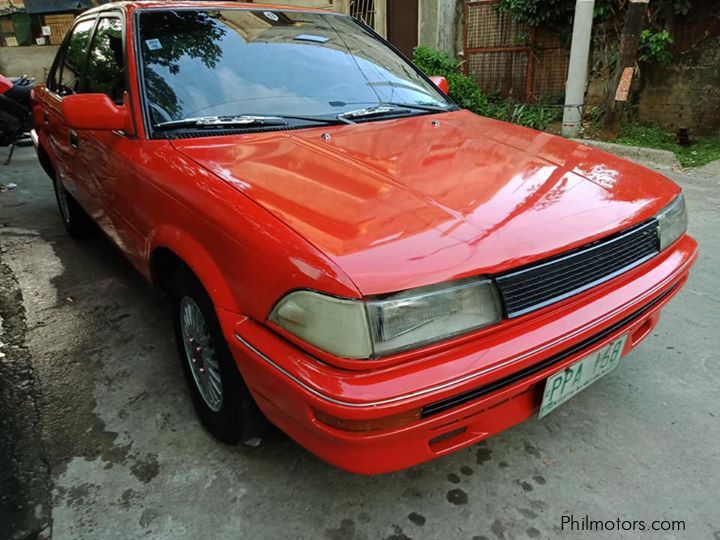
x=438, y=21
x=33, y=61
x=686, y=93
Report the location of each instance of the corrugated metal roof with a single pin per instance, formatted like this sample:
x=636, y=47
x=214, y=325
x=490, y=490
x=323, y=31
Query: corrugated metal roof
x=59, y=6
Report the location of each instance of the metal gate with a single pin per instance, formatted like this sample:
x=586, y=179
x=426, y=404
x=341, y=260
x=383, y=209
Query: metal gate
x=512, y=59
x=363, y=10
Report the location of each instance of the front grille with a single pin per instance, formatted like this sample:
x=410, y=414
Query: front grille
x=544, y=283
x=470, y=395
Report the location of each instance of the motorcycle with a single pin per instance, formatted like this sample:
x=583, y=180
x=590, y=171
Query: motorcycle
x=15, y=112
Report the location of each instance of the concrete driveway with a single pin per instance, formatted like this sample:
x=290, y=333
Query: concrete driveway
x=101, y=440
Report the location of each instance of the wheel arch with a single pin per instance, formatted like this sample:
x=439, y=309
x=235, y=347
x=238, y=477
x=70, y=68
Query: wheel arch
x=171, y=249
x=45, y=160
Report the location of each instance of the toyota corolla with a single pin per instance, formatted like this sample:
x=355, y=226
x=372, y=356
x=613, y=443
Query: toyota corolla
x=385, y=277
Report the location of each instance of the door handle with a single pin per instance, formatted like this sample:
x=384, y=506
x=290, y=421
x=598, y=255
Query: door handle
x=74, y=139
x=46, y=118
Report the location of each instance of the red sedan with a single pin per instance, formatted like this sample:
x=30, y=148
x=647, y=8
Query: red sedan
x=383, y=276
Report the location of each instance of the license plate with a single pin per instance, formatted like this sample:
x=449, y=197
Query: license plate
x=568, y=382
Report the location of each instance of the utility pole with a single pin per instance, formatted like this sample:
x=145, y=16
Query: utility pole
x=578, y=69
x=622, y=79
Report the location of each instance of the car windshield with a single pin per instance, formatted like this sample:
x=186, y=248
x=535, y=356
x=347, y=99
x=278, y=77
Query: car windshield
x=230, y=62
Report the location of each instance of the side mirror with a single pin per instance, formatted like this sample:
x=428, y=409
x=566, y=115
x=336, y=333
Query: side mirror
x=95, y=111
x=441, y=83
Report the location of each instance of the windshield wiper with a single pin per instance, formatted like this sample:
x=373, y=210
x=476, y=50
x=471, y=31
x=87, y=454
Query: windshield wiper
x=376, y=110
x=392, y=109
x=424, y=106
x=319, y=120
x=221, y=121
x=239, y=121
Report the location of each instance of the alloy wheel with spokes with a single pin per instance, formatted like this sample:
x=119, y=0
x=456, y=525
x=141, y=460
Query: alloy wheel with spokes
x=200, y=353
x=74, y=218
x=219, y=394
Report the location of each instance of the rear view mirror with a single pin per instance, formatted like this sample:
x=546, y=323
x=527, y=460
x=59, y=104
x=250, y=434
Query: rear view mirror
x=95, y=111
x=441, y=83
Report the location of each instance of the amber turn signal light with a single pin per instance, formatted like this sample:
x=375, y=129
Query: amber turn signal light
x=375, y=424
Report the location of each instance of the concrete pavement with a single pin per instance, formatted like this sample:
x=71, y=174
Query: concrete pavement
x=663, y=160
x=125, y=457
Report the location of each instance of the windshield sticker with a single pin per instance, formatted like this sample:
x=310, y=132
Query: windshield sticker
x=310, y=37
x=153, y=44
x=272, y=16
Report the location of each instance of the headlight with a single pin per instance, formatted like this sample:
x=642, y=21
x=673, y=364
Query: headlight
x=418, y=317
x=335, y=325
x=672, y=221
x=379, y=327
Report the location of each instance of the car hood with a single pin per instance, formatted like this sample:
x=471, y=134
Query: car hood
x=409, y=202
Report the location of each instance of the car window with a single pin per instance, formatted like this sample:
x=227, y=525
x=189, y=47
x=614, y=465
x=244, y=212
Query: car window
x=53, y=80
x=243, y=61
x=106, y=65
x=69, y=71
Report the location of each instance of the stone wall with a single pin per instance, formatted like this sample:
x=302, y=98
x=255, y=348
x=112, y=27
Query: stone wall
x=33, y=61
x=686, y=93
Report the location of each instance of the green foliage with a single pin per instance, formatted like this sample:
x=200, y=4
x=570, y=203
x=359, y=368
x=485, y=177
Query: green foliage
x=609, y=13
x=655, y=47
x=594, y=115
x=560, y=12
x=467, y=94
x=682, y=7
x=534, y=116
x=645, y=135
x=699, y=153
x=463, y=89
x=540, y=12
x=603, y=10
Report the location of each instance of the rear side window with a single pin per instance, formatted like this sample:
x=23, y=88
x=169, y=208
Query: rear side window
x=66, y=79
x=106, y=63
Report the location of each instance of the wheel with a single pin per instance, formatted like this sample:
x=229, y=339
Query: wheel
x=77, y=223
x=219, y=394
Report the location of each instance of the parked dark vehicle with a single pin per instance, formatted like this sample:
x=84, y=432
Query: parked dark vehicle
x=15, y=112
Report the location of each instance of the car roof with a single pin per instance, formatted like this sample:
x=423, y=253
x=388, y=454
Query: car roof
x=193, y=4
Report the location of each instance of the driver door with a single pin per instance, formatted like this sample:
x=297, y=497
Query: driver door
x=106, y=155
x=66, y=79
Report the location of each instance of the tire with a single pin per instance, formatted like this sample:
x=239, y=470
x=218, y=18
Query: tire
x=220, y=397
x=77, y=223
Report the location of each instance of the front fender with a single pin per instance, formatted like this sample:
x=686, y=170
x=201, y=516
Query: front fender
x=194, y=254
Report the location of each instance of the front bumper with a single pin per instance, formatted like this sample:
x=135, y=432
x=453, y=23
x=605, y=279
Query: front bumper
x=466, y=393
